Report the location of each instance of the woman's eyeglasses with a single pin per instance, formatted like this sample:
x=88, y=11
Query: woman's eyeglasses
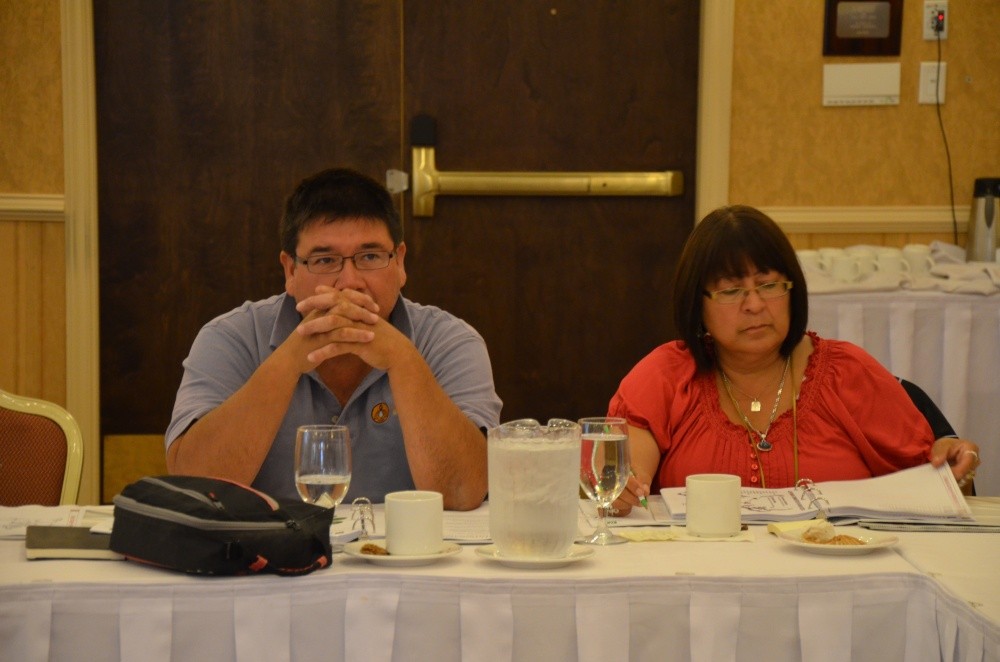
x=775, y=290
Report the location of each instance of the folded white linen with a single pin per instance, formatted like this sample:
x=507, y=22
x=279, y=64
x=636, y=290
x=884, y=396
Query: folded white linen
x=820, y=282
x=968, y=271
x=968, y=277
x=959, y=284
x=944, y=253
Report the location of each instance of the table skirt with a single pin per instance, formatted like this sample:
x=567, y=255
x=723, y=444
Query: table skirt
x=948, y=344
x=379, y=618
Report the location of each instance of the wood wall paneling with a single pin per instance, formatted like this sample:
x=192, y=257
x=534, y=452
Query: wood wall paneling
x=821, y=239
x=33, y=287
x=128, y=458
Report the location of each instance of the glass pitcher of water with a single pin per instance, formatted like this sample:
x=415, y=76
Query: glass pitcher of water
x=534, y=487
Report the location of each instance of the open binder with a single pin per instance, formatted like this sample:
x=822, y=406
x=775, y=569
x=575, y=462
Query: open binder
x=919, y=494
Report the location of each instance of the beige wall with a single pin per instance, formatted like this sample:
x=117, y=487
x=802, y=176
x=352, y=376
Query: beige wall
x=787, y=150
x=32, y=253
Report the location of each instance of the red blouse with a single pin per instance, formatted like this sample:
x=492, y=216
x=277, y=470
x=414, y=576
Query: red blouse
x=854, y=420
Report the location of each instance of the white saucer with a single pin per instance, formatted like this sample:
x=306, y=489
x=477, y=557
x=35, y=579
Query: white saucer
x=354, y=549
x=872, y=541
x=576, y=553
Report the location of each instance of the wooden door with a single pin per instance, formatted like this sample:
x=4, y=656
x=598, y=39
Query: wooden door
x=209, y=112
x=568, y=292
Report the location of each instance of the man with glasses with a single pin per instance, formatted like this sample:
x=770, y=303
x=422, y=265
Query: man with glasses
x=412, y=382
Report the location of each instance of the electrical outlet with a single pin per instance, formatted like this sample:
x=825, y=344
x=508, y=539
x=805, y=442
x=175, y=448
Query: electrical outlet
x=935, y=12
x=928, y=81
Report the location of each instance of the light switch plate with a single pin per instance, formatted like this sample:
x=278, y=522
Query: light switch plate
x=928, y=78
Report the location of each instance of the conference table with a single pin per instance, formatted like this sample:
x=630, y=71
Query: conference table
x=947, y=343
x=930, y=596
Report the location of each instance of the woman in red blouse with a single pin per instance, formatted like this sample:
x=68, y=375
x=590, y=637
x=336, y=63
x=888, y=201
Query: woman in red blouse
x=746, y=390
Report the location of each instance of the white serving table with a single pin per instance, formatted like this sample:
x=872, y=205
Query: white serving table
x=654, y=600
x=946, y=343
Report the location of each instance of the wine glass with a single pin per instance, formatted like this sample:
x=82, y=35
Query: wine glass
x=322, y=463
x=604, y=469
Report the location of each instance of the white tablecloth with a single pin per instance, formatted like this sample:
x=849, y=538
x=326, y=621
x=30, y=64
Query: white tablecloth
x=948, y=344
x=657, y=600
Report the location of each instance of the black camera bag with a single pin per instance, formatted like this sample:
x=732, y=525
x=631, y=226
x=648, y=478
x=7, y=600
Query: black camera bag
x=216, y=527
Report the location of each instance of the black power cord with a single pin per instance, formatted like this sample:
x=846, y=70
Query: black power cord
x=938, y=27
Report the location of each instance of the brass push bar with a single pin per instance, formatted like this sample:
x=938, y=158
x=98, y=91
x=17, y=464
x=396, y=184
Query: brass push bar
x=428, y=182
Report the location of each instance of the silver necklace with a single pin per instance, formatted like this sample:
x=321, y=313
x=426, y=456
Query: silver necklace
x=762, y=444
x=754, y=401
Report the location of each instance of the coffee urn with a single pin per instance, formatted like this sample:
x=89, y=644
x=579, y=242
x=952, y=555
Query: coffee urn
x=983, y=232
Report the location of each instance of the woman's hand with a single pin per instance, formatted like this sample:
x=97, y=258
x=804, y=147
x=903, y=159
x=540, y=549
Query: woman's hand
x=635, y=491
x=961, y=454
x=645, y=460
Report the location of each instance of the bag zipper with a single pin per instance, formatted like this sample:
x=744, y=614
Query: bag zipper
x=210, y=499
x=130, y=504
x=194, y=494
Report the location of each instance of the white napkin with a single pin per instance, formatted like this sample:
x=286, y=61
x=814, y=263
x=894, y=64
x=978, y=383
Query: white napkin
x=647, y=533
x=679, y=533
x=962, y=276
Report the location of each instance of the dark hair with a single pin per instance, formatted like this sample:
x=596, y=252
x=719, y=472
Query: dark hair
x=731, y=242
x=336, y=194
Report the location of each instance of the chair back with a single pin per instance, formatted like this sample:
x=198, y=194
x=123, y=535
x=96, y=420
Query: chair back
x=41, y=453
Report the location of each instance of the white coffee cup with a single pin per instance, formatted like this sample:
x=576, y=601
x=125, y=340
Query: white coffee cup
x=845, y=268
x=809, y=259
x=918, y=256
x=414, y=523
x=890, y=262
x=866, y=257
x=826, y=256
x=713, y=505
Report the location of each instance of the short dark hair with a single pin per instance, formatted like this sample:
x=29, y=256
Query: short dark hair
x=728, y=243
x=337, y=194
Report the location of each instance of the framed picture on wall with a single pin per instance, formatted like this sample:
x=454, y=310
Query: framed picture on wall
x=862, y=27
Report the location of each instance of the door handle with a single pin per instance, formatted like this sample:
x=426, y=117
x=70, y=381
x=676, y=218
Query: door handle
x=429, y=182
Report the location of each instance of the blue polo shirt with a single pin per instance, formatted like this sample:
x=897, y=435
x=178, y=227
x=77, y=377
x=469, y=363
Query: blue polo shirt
x=230, y=348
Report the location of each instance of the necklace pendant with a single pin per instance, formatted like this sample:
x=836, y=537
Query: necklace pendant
x=764, y=444
x=755, y=405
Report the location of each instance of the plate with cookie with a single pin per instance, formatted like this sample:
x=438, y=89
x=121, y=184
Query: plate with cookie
x=824, y=538
x=375, y=552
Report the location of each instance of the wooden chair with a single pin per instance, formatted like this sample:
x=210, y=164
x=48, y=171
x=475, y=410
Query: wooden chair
x=41, y=453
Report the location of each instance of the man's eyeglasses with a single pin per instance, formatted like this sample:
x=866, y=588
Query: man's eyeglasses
x=775, y=290
x=328, y=263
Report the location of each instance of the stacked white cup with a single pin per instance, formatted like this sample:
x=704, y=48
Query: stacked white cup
x=891, y=263
x=866, y=258
x=918, y=256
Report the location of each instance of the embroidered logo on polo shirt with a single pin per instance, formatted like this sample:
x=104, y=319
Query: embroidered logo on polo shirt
x=380, y=412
